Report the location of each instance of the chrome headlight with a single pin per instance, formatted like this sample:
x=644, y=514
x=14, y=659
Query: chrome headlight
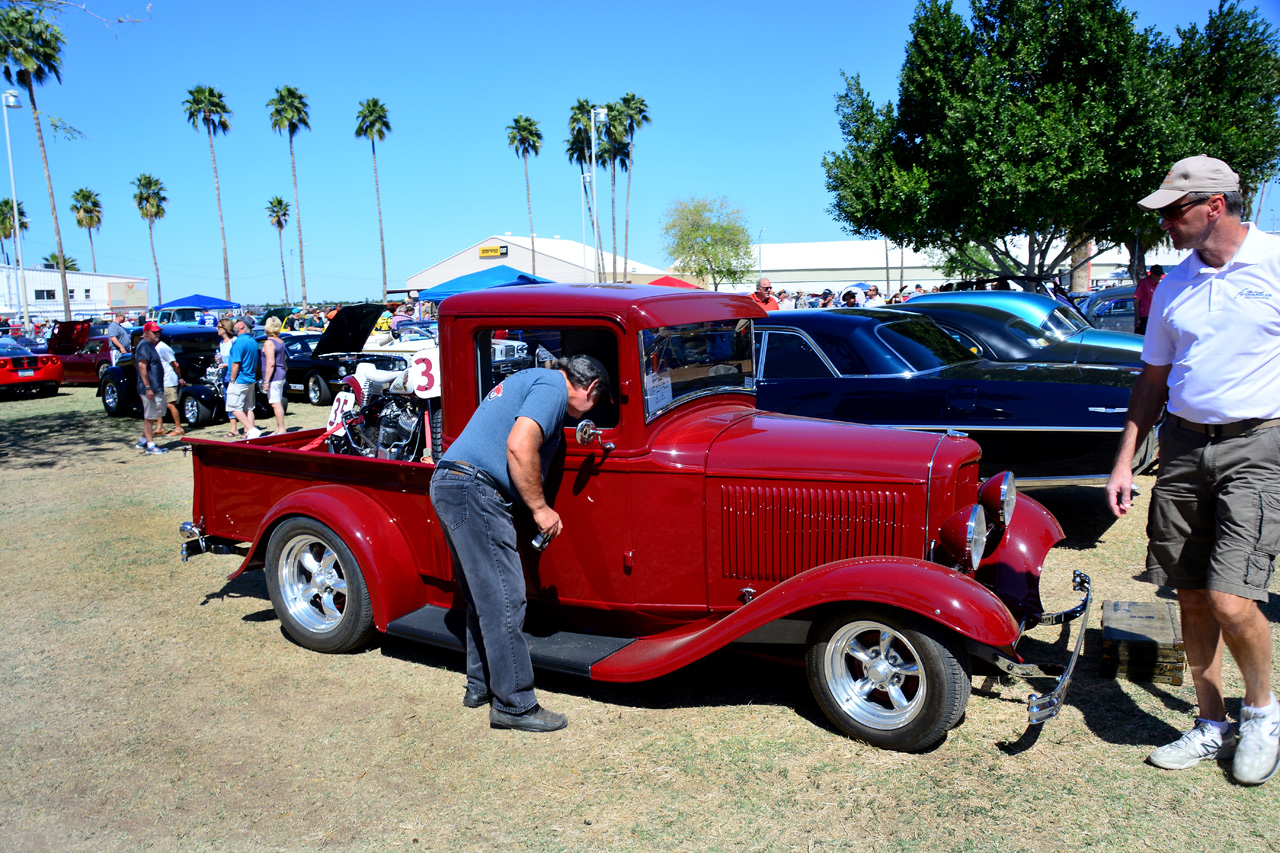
x=998, y=497
x=342, y=370
x=964, y=536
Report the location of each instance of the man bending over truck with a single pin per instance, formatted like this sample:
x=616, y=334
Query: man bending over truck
x=497, y=464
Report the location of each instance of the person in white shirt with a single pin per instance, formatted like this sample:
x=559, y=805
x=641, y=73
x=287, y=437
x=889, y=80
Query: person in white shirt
x=1210, y=354
x=874, y=299
x=172, y=382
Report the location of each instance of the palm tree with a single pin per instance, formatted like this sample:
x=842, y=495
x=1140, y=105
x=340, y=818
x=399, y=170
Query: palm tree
x=523, y=136
x=57, y=260
x=613, y=150
x=6, y=225
x=206, y=105
x=31, y=50
x=636, y=114
x=150, y=199
x=278, y=216
x=88, y=210
x=372, y=124
x=578, y=148
x=289, y=112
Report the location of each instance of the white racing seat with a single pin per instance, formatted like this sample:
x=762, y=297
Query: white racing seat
x=374, y=381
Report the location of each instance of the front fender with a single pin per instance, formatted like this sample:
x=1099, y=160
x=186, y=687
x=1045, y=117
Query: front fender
x=204, y=394
x=953, y=600
x=1013, y=568
x=369, y=528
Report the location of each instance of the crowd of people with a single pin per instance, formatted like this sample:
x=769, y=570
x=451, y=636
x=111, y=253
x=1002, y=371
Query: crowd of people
x=858, y=296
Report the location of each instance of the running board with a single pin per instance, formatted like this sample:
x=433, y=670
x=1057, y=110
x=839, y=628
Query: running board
x=562, y=651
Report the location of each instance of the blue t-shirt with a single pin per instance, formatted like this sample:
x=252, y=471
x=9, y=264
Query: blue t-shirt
x=244, y=351
x=536, y=393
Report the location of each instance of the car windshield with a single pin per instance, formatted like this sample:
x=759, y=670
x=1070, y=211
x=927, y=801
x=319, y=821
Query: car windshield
x=690, y=361
x=1029, y=334
x=923, y=344
x=416, y=332
x=1063, y=322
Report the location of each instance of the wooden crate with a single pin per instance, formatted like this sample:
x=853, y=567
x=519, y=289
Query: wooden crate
x=1143, y=641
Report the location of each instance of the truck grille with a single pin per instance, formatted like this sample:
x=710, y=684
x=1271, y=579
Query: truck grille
x=771, y=533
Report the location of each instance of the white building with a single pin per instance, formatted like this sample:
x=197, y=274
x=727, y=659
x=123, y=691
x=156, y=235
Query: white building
x=92, y=294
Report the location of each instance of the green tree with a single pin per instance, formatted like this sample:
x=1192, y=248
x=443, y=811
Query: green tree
x=709, y=239
x=635, y=114
x=578, y=149
x=150, y=200
x=6, y=225
x=289, y=113
x=1026, y=133
x=87, y=208
x=613, y=151
x=278, y=216
x=525, y=138
x=31, y=50
x=206, y=105
x=54, y=259
x=372, y=124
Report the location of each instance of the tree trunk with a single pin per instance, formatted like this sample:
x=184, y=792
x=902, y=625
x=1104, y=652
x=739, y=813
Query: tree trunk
x=297, y=217
x=377, y=195
x=151, y=233
x=92, y=258
x=53, y=207
x=613, y=212
x=217, y=194
x=626, y=219
x=528, y=194
x=1080, y=267
x=284, y=276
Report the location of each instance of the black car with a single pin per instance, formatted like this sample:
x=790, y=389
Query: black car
x=317, y=362
x=1051, y=424
x=989, y=332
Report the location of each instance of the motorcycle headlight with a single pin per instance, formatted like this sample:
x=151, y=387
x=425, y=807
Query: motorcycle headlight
x=964, y=536
x=998, y=497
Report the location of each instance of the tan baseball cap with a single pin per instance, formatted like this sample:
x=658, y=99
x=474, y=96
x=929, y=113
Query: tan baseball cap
x=1199, y=174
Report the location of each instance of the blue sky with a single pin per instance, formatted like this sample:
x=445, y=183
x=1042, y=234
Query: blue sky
x=741, y=96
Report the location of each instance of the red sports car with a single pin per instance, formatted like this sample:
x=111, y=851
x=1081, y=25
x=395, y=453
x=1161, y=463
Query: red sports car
x=85, y=355
x=22, y=371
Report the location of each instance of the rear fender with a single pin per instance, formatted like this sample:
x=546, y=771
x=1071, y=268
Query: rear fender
x=1013, y=568
x=368, y=528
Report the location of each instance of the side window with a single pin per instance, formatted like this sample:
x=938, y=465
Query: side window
x=1118, y=306
x=965, y=340
x=502, y=352
x=791, y=356
x=93, y=347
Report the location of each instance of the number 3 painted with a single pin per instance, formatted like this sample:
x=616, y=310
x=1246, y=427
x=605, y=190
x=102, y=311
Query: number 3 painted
x=423, y=372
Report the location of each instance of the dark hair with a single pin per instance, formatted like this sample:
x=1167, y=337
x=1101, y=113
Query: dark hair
x=582, y=370
x=1157, y=270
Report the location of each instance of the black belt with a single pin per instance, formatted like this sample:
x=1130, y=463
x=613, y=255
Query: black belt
x=471, y=470
x=1230, y=430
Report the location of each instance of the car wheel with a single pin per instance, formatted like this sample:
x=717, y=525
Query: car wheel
x=196, y=411
x=437, y=428
x=317, y=588
x=892, y=679
x=47, y=390
x=318, y=390
x=102, y=368
x=113, y=396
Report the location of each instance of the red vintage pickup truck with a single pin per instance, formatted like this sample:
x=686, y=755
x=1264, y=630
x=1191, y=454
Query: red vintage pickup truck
x=692, y=520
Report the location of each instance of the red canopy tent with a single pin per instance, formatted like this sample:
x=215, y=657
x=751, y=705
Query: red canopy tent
x=671, y=281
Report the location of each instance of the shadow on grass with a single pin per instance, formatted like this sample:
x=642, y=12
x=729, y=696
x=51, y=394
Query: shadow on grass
x=1081, y=510
x=49, y=438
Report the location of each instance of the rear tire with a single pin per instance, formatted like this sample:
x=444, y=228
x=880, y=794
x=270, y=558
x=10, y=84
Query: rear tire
x=317, y=588
x=436, y=413
x=196, y=411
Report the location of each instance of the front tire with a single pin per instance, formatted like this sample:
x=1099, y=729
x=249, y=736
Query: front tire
x=318, y=393
x=196, y=411
x=317, y=588
x=113, y=396
x=890, y=678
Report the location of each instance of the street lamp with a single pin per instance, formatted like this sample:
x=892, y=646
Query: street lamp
x=760, y=255
x=601, y=115
x=11, y=102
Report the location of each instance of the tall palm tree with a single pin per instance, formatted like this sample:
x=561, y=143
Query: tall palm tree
x=150, y=199
x=31, y=50
x=289, y=113
x=578, y=149
x=613, y=145
x=278, y=216
x=523, y=136
x=87, y=207
x=372, y=124
x=6, y=225
x=206, y=105
x=636, y=114
x=56, y=259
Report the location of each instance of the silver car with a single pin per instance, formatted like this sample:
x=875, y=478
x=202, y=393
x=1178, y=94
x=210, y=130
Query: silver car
x=1112, y=308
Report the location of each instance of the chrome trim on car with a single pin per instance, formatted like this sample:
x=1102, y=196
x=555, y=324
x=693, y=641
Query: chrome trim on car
x=189, y=530
x=975, y=427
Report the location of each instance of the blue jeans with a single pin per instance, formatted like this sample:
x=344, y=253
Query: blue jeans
x=481, y=535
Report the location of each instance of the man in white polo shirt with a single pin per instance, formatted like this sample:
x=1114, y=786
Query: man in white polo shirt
x=1211, y=354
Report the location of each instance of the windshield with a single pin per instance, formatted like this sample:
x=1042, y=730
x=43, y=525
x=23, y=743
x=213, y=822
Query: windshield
x=1063, y=322
x=1028, y=333
x=923, y=344
x=416, y=332
x=693, y=360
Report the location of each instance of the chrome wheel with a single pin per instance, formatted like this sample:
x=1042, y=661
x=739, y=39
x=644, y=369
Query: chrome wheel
x=317, y=390
x=875, y=675
x=313, y=584
x=111, y=397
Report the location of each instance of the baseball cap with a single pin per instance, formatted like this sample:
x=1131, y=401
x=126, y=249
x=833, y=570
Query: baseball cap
x=827, y=293
x=151, y=326
x=1199, y=174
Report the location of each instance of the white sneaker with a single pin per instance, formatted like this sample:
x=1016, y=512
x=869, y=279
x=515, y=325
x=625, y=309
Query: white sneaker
x=1259, y=751
x=253, y=433
x=1202, y=742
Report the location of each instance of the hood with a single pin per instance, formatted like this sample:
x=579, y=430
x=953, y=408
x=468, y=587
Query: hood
x=349, y=329
x=69, y=336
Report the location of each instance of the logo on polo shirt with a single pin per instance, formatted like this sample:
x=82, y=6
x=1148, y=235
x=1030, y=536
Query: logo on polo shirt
x=496, y=392
x=1253, y=293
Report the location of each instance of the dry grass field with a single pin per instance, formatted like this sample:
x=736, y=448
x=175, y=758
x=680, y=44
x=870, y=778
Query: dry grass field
x=150, y=704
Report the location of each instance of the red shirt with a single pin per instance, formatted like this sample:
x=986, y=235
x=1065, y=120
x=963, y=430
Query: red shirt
x=769, y=304
x=1146, y=289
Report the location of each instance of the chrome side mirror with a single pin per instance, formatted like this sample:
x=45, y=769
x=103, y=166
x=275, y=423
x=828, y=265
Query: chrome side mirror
x=587, y=433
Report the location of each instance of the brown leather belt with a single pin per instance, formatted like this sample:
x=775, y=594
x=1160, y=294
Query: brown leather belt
x=479, y=473
x=1230, y=430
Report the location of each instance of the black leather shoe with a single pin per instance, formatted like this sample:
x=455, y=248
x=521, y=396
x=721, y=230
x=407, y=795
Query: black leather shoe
x=475, y=698
x=536, y=719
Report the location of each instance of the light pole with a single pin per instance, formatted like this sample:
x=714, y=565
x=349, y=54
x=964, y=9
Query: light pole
x=759, y=255
x=598, y=114
x=11, y=102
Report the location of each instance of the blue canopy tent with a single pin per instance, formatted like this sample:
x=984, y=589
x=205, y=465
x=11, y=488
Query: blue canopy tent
x=198, y=300
x=499, y=276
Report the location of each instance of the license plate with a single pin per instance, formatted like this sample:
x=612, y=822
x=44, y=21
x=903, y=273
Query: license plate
x=26, y=373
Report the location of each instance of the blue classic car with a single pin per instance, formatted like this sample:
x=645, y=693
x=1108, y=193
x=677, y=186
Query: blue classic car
x=992, y=332
x=1046, y=313
x=1051, y=424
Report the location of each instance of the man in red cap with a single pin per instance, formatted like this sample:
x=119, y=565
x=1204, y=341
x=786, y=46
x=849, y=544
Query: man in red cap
x=1210, y=354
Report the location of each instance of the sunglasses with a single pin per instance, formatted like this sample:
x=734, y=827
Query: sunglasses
x=1174, y=212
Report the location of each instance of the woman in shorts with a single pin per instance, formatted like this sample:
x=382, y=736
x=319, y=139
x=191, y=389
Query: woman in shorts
x=273, y=360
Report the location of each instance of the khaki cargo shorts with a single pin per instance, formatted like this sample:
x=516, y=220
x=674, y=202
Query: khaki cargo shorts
x=1215, y=511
